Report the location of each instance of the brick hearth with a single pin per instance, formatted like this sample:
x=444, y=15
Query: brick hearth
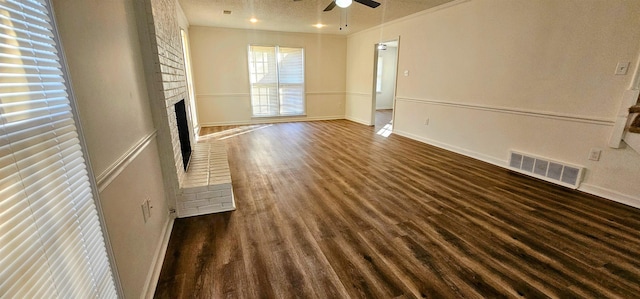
x=206, y=186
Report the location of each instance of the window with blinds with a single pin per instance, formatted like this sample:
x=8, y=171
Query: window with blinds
x=276, y=75
x=51, y=244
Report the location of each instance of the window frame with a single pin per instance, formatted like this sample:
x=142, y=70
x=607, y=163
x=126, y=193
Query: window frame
x=379, y=73
x=303, y=85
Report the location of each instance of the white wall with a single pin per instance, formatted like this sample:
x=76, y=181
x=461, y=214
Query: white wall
x=535, y=76
x=102, y=47
x=384, y=99
x=221, y=76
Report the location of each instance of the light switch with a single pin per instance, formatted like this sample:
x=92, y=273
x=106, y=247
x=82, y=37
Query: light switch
x=622, y=68
x=146, y=210
x=594, y=154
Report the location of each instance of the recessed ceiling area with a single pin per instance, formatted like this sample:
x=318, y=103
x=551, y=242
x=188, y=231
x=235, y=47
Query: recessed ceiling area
x=299, y=16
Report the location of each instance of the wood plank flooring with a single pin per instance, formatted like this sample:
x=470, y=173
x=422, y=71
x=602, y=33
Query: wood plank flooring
x=330, y=209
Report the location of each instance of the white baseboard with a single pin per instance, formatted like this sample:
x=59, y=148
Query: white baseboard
x=611, y=195
x=357, y=120
x=594, y=190
x=161, y=250
x=269, y=120
x=455, y=149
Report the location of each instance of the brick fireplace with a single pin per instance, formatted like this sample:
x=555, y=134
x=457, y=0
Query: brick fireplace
x=206, y=186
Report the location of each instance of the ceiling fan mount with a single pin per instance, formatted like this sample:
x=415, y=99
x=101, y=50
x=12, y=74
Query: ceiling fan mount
x=346, y=3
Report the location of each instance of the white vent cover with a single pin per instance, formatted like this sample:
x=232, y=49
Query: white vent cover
x=545, y=169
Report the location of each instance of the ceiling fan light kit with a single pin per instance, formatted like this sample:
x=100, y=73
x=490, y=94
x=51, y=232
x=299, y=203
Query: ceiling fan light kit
x=347, y=3
x=344, y=3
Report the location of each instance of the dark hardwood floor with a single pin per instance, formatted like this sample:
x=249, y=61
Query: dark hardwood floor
x=330, y=209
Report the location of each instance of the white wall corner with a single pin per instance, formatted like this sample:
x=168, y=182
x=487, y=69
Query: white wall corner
x=629, y=98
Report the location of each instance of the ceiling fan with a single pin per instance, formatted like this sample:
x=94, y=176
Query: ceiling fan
x=346, y=3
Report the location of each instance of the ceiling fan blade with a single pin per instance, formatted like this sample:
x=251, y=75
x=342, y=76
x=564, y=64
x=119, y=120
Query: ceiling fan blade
x=330, y=6
x=369, y=3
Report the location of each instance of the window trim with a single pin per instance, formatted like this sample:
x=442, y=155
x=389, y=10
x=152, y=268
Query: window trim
x=304, y=84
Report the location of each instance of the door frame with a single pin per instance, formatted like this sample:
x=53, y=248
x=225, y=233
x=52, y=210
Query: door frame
x=372, y=119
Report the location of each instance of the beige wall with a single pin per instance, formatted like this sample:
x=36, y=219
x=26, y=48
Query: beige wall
x=535, y=76
x=102, y=47
x=221, y=77
x=136, y=244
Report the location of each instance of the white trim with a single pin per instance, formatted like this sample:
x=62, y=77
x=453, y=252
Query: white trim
x=409, y=17
x=525, y=112
x=455, y=149
x=219, y=95
x=374, y=94
x=108, y=175
x=357, y=120
x=635, y=81
x=234, y=95
x=611, y=195
x=629, y=98
x=270, y=120
x=359, y=94
x=158, y=259
x=325, y=93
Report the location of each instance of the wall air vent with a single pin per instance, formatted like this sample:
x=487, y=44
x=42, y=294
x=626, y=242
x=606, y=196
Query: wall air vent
x=545, y=169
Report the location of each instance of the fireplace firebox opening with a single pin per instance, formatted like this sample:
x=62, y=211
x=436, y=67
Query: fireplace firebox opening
x=183, y=132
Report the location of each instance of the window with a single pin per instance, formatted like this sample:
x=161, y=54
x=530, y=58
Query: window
x=276, y=75
x=51, y=244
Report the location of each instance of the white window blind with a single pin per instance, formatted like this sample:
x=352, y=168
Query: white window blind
x=276, y=75
x=51, y=244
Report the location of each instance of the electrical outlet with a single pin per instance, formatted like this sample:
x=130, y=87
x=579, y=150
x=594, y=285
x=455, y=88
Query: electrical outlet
x=426, y=121
x=594, y=154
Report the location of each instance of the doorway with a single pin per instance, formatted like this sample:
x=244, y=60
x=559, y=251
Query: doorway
x=384, y=85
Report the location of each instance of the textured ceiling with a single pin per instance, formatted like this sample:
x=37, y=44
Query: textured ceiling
x=299, y=16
